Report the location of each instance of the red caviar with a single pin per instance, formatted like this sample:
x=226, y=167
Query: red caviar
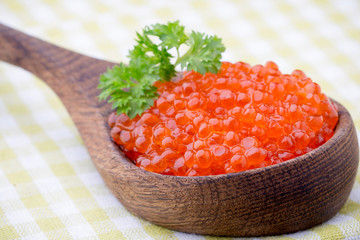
x=241, y=118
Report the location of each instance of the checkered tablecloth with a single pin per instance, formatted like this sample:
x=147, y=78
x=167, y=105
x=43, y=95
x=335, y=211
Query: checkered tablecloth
x=49, y=187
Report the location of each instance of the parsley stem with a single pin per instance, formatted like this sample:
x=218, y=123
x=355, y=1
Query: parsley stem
x=180, y=59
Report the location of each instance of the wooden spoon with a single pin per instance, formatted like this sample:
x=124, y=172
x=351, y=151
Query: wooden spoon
x=283, y=198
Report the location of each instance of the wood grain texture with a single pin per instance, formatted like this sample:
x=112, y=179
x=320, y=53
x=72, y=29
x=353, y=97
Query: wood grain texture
x=288, y=197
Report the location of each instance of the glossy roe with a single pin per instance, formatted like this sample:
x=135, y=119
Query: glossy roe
x=241, y=118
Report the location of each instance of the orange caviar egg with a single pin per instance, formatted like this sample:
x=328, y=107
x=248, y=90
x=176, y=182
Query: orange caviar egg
x=238, y=119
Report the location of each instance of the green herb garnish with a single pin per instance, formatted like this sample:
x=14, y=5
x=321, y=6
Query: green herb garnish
x=130, y=87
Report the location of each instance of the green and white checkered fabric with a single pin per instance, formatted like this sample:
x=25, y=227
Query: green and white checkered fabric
x=49, y=187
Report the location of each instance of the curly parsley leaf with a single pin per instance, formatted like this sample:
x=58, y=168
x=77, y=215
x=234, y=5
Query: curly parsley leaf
x=130, y=88
x=204, y=54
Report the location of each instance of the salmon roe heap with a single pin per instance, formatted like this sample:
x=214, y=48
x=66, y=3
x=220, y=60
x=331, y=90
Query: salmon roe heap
x=241, y=118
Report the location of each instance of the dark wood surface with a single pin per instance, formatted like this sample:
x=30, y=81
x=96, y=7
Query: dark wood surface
x=288, y=197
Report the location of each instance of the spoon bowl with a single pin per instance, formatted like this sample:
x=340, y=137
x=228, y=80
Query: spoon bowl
x=278, y=199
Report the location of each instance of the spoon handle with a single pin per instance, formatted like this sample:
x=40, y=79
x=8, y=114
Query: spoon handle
x=73, y=76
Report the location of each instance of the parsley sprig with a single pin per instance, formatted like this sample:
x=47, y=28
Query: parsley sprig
x=130, y=87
